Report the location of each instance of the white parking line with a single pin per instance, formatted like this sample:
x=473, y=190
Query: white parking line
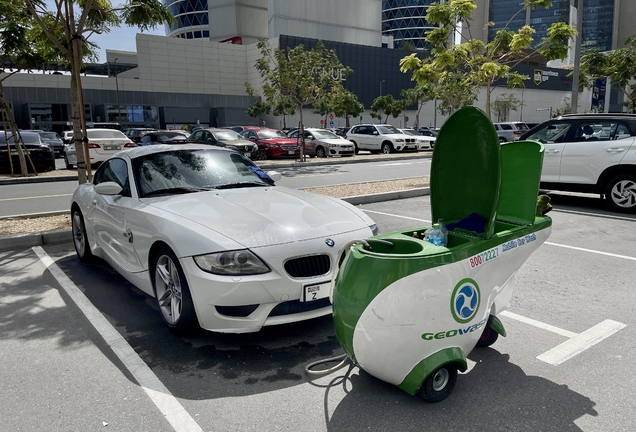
x=394, y=215
x=167, y=404
x=592, y=251
x=539, y=324
x=581, y=342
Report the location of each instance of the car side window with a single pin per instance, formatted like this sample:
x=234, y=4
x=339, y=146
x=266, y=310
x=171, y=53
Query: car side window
x=621, y=132
x=505, y=127
x=551, y=133
x=146, y=139
x=114, y=170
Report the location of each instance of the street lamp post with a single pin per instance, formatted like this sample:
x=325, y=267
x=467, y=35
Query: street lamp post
x=117, y=90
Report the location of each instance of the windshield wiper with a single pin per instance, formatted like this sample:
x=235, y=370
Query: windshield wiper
x=174, y=191
x=240, y=185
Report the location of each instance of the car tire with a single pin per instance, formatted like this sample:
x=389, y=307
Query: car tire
x=439, y=384
x=620, y=193
x=502, y=140
x=488, y=337
x=355, y=146
x=172, y=292
x=320, y=152
x=386, y=148
x=80, y=239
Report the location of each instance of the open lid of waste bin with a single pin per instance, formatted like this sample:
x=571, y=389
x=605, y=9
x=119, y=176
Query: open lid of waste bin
x=466, y=169
x=521, y=163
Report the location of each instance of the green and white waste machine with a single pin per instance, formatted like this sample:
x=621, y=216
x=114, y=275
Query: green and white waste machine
x=409, y=312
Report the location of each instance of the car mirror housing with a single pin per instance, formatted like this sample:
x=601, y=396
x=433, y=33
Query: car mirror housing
x=274, y=175
x=375, y=133
x=108, y=188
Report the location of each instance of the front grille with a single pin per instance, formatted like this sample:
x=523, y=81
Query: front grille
x=289, y=147
x=296, y=306
x=308, y=266
x=409, y=140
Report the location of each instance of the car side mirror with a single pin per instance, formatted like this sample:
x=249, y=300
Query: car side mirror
x=108, y=188
x=310, y=137
x=375, y=133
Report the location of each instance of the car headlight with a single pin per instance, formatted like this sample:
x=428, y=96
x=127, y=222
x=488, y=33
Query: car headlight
x=231, y=263
x=333, y=145
x=374, y=229
x=399, y=140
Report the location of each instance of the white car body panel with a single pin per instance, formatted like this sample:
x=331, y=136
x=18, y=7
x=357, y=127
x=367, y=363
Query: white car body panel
x=583, y=161
x=275, y=223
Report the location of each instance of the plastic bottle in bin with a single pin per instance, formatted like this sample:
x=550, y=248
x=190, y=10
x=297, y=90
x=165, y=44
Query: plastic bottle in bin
x=442, y=226
x=436, y=236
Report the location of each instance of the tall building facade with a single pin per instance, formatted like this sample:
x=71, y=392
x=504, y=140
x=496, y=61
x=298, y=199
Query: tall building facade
x=246, y=21
x=405, y=21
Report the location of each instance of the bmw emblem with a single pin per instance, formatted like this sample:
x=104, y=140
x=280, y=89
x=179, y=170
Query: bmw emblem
x=330, y=242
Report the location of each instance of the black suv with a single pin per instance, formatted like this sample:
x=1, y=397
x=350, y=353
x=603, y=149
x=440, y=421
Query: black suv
x=590, y=153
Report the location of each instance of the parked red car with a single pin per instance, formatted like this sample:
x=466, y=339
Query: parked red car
x=273, y=143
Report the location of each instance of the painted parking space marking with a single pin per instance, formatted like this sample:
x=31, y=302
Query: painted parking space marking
x=394, y=215
x=35, y=197
x=167, y=404
x=592, y=251
x=538, y=324
x=581, y=342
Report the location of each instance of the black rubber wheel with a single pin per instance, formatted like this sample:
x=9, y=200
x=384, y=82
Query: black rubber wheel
x=355, y=145
x=387, y=148
x=260, y=155
x=488, y=337
x=620, y=193
x=439, y=385
x=502, y=140
x=320, y=152
x=172, y=293
x=80, y=239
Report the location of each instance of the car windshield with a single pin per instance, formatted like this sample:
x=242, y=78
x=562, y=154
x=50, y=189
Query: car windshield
x=323, y=134
x=411, y=132
x=388, y=129
x=49, y=136
x=183, y=171
x=170, y=136
x=227, y=135
x=105, y=133
x=271, y=134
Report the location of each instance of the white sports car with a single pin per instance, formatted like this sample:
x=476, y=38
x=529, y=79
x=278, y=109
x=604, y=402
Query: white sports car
x=208, y=234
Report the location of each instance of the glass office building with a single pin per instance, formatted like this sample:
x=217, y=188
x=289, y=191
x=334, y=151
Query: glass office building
x=191, y=19
x=598, y=20
x=405, y=21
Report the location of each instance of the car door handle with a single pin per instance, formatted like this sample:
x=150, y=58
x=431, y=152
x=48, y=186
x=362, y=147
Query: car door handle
x=615, y=150
x=553, y=151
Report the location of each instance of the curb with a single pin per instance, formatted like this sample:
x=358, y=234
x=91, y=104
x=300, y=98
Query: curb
x=263, y=165
x=24, y=241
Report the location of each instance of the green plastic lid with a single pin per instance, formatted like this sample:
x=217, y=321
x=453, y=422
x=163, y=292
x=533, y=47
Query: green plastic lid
x=466, y=169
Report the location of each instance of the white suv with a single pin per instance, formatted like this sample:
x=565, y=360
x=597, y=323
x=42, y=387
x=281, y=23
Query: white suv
x=590, y=153
x=380, y=138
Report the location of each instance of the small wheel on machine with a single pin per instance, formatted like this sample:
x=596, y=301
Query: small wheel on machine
x=172, y=292
x=439, y=385
x=80, y=239
x=620, y=193
x=488, y=337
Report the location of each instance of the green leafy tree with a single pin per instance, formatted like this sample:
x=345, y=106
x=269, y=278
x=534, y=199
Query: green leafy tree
x=19, y=50
x=283, y=106
x=476, y=63
x=504, y=103
x=70, y=24
x=346, y=104
x=387, y=106
x=259, y=107
x=303, y=76
x=324, y=107
x=420, y=94
x=619, y=65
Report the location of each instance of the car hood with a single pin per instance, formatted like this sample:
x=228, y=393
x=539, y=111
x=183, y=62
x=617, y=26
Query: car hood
x=280, y=140
x=237, y=143
x=264, y=216
x=336, y=141
x=53, y=141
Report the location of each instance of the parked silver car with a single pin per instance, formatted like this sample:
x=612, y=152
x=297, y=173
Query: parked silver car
x=322, y=143
x=510, y=131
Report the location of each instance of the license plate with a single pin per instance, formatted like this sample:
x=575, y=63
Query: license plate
x=291, y=152
x=247, y=154
x=112, y=147
x=315, y=292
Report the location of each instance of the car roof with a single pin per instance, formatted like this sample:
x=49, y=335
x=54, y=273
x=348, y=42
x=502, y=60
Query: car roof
x=136, y=152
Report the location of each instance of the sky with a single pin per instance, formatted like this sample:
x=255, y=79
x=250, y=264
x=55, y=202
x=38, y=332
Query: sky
x=122, y=38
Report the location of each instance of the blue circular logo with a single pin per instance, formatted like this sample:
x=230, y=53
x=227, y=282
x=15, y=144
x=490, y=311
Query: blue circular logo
x=465, y=300
x=330, y=242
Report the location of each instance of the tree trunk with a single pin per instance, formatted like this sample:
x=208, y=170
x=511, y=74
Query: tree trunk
x=347, y=119
x=77, y=113
x=488, y=90
x=302, y=136
x=5, y=108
